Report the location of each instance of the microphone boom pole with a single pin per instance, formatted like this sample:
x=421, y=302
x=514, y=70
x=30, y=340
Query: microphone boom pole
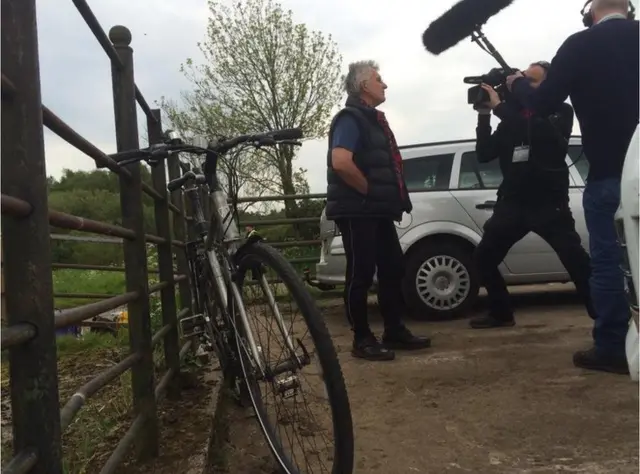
x=481, y=40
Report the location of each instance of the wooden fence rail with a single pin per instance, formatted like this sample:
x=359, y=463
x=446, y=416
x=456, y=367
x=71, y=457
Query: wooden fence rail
x=30, y=334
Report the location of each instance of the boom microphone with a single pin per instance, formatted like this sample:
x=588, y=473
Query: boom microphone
x=459, y=23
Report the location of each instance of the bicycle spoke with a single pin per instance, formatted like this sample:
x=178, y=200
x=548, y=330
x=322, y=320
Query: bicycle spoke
x=291, y=399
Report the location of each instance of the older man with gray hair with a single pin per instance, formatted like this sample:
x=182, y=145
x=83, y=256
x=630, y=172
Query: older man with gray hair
x=366, y=193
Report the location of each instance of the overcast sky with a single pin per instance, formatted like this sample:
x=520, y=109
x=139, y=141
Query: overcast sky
x=426, y=99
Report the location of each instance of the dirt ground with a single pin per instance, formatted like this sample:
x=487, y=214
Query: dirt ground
x=495, y=401
x=498, y=401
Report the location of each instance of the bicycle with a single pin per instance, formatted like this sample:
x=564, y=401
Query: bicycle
x=219, y=262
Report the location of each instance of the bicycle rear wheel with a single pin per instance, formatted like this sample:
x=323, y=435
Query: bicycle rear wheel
x=286, y=386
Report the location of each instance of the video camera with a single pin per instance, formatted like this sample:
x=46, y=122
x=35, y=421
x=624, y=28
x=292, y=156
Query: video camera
x=496, y=78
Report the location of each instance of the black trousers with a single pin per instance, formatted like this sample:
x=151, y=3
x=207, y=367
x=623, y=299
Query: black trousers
x=512, y=221
x=371, y=243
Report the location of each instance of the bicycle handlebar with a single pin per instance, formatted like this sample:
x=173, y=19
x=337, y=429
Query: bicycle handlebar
x=261, y=139
x=155, y=153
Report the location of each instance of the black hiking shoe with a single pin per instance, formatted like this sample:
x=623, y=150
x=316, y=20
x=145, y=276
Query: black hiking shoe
x=369, y=348
x=403, y=340
x=492, y=321
x=593, y=360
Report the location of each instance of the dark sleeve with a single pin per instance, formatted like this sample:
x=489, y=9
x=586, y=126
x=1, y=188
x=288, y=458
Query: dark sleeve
x=510, y=118
x=554, y=90
x=563, y=120
x=486, y=142
x=556, y=127
x=346, y=133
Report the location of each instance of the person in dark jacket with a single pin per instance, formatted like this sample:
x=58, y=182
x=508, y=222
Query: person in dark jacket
x=533, y=195
x=366, y=193
x=598, y=69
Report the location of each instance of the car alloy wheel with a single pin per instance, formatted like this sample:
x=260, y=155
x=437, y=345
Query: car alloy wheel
x=443, y=282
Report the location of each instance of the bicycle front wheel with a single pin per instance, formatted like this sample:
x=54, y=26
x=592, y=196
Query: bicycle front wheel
x=307, y=432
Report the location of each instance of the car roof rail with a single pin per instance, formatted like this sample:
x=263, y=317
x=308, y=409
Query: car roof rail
x=448, y=142
x=451, y=142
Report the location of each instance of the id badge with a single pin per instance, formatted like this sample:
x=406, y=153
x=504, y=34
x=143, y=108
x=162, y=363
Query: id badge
x=520, y=154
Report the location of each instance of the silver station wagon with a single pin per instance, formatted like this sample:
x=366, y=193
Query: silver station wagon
x=453, y=195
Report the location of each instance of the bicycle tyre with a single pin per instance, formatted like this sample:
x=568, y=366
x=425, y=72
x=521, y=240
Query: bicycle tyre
x=327, y=356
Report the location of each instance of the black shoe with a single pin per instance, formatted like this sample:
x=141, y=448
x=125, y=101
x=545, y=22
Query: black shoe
x=491, y=321
x=369, y=348
x=593, y=360
x=403, y=340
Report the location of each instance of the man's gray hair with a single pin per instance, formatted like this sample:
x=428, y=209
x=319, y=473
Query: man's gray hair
x=358, y=72
x=619, y=5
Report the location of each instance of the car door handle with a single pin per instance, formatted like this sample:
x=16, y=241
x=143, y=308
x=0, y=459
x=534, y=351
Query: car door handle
x=486, y=205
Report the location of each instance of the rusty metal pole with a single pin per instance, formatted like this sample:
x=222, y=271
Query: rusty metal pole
x=180, y=232
x=165, y=261
x=27, y=253
x=135, y=252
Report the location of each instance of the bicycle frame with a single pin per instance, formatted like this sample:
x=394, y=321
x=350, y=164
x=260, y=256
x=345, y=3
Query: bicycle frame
x=222, y=229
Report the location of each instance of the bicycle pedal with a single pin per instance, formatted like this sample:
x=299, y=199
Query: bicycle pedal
x=192, y=326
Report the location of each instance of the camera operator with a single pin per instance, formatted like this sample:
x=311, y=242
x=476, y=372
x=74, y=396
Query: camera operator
x=533, y=195
x=598, y=69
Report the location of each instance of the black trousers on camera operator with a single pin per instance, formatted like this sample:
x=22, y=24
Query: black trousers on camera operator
x=533, y=196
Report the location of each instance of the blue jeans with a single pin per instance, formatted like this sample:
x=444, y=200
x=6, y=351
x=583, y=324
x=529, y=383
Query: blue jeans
x=600, y=200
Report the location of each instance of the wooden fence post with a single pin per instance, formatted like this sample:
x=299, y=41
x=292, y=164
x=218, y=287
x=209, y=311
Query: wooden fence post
x=27, y=252
x=180, y=233
x=135, y=252
x=165, y=261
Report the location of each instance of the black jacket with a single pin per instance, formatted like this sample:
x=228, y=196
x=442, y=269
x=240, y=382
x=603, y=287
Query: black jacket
x=598, y=69
x=544, y=178
x=375, y=160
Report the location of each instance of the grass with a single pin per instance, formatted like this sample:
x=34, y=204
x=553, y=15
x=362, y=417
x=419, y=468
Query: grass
x=85, y=281
x=97, y=428
x=92, y=341
x=98, y=282
x=99, y=425
x=105, y=417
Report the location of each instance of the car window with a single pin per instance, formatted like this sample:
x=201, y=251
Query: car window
x=475, y=175
x=582, y=165
x=428, y=173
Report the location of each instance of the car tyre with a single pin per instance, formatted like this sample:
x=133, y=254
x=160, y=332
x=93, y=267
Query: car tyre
x=440, y=280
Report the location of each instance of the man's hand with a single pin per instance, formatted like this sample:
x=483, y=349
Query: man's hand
x=342, y=163
x=494, y=99
x=512, y=78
